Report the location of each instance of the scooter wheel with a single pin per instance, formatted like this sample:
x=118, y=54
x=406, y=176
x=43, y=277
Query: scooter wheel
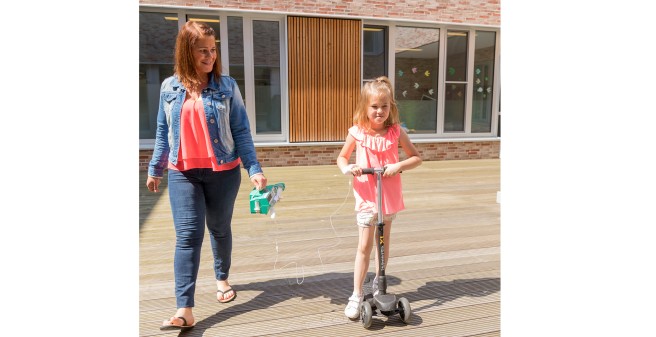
x=365, y=314
x=404, y=309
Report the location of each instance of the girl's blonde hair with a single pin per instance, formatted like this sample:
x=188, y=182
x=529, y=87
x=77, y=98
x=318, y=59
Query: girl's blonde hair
x=381, y=86
x=184, y=57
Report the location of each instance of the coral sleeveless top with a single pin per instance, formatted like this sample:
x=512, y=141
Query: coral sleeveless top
x=377, y=151
x=195, y=146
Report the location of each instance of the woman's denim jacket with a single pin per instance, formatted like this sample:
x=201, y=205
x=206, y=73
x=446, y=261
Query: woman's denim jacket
x=226, y=118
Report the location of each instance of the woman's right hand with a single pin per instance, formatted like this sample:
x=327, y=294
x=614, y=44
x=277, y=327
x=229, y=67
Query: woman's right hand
x=259, y=181
x=153, y=184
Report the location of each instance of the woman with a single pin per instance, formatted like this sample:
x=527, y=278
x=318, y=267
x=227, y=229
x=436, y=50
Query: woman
x=203, y=135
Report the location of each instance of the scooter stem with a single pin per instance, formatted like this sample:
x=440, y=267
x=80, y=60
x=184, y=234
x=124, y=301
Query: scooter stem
x=380, y=243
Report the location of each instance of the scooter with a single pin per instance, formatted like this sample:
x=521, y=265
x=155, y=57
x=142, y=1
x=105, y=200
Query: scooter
x=382, y=303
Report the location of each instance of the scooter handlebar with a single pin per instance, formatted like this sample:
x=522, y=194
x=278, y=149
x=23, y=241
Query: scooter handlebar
x=371, y=170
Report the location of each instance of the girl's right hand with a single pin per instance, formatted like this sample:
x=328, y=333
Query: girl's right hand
x=153, y=184
x=356, y=171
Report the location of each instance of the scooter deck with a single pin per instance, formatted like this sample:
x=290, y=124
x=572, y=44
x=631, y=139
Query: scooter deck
x=385, y=304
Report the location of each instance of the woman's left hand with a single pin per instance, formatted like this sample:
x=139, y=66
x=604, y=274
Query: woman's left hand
x=260, y=181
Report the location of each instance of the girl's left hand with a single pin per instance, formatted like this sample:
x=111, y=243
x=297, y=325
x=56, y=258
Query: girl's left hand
x=260, y=181
x=392, y=170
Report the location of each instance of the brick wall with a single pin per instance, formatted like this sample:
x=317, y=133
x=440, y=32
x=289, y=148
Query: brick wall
x=484, y=12
x=326, y=154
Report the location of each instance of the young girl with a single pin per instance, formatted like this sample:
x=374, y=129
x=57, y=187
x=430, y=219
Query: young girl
x=375, y=137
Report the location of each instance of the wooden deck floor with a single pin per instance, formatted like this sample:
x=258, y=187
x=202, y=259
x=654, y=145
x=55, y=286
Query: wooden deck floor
x=294, y=273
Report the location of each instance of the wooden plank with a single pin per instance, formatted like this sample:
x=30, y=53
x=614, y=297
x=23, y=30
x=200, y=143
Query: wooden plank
x=445, y=257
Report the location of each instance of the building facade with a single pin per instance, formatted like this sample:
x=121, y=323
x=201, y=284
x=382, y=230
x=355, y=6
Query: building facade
x=300, y=65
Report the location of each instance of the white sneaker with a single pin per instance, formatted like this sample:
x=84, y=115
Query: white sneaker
x=352, y=309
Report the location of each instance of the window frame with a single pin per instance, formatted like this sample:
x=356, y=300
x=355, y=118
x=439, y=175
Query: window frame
x=384, y=44
x=249, y=74
x=440, y=134
x=248, y=18
x=149, y=143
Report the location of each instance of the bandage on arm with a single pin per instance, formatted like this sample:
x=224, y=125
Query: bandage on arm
x=347, y=168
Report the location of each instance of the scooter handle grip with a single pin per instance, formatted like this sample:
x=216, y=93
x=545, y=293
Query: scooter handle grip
x=371, y=170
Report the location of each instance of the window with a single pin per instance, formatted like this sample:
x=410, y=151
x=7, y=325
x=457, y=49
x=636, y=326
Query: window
x=253, y=49
x=444, y=81
x=415, y=77
x=455, y=86
x=444, y=78
x=236, y=52
x=157, y=32
x=374, y=50
x=483, y=85
x=267, y=81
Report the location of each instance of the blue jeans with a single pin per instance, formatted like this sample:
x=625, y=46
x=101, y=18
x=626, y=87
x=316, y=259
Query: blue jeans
x=197, y=196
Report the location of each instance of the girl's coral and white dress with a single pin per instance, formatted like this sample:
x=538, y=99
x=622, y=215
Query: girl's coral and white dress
x=373, y=151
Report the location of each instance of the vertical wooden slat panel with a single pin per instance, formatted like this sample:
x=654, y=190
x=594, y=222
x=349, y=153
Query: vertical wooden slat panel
x=324, y=77
x=292, y=45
